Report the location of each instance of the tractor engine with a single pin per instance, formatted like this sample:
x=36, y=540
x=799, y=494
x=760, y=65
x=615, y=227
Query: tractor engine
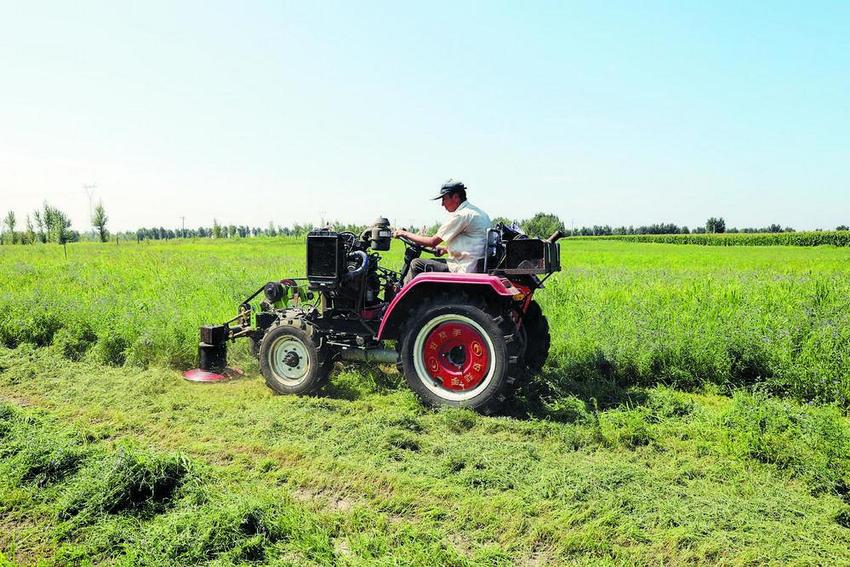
x=341, y=267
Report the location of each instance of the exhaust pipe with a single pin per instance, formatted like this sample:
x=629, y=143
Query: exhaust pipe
x=381, y=355
x=555, y=236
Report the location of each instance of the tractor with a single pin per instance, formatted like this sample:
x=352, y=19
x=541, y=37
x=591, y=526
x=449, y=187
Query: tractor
x=460, y=339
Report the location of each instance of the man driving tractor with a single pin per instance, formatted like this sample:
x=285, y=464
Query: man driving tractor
x=461, y=339
x=463, y=236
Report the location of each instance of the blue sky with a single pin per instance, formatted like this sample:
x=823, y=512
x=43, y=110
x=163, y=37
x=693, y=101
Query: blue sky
x=604, y=113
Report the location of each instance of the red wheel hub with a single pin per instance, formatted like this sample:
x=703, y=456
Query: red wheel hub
x=456, y=355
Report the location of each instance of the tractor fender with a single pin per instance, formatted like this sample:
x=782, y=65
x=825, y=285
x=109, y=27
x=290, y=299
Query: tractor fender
x=430, y=283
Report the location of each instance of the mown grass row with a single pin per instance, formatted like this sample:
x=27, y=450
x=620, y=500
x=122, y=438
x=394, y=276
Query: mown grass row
x=815, y=238
x=75, y=498
x=774, y=317
x=660, y=476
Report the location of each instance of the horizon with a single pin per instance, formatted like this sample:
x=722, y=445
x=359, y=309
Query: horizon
x=603, y=115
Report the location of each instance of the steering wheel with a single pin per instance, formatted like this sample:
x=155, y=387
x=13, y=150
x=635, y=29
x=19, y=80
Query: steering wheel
x=415, y=246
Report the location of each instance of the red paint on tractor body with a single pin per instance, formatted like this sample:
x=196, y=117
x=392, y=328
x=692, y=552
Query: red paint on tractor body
x=500, y=285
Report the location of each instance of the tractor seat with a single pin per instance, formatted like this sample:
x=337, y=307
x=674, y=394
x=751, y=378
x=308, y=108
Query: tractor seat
x=494, y=251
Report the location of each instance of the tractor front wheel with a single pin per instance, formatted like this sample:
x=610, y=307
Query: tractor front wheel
x=455, y=353
x=290, y=360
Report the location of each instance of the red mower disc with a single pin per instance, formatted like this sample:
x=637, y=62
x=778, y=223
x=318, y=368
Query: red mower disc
x=198, y=375
x=456, y=355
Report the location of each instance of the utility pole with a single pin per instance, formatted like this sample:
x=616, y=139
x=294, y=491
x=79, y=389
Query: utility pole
x=89, y=189
x=183, y=227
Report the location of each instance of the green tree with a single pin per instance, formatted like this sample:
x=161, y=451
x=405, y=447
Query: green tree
x=216, y=229
x=542, y=225
x=56, y=224
x=98, y=220
x=715, y=225
x=30, y=232
x=501, y=220
x=39, y=222
x=10, y=222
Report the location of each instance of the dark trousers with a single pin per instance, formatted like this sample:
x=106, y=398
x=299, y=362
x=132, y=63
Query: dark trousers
x=420, y=265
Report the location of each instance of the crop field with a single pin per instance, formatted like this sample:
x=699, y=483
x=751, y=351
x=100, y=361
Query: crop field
x=693, y=410
x=816, y=238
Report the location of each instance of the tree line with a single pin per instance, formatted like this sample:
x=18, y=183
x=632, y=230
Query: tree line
x=49, y=224
x=218, y=230
x=543, y=224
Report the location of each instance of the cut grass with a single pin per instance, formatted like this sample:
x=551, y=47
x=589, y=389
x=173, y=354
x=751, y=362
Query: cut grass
x=665, y=476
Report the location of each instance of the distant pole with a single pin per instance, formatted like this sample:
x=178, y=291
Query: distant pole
x=89, y=188
x=182, y=227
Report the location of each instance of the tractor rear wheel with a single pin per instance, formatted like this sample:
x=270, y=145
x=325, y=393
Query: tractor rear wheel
x=290, y=360
x=456, y=352
x=537, y=339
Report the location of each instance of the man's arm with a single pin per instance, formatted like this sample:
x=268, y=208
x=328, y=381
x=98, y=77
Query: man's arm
x=429, y=241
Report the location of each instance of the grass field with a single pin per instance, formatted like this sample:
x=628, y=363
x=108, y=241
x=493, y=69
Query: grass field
x=693, y=410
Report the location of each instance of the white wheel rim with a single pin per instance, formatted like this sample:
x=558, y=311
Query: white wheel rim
x=425, y=377
x=289, y=360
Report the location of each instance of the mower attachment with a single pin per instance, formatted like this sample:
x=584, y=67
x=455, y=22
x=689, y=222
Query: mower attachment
x=212, y=352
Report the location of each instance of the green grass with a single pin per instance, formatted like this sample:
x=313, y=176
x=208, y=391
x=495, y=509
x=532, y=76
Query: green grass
x=692, y=410
x=637, y=315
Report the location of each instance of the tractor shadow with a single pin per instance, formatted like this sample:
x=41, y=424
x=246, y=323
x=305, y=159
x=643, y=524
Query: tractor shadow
x=567, y=391
x=570, y=402
x=564, y=393
x=352, y=381
x=572, y=385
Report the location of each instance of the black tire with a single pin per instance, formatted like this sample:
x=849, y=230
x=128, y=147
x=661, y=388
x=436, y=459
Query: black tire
x=290, y=360
x=477, y=376
x=537, y=339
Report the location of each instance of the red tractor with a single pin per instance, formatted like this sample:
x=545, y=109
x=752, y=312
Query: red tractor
x=460, y=339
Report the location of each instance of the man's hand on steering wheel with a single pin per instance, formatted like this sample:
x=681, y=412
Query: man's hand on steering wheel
x=409, y=240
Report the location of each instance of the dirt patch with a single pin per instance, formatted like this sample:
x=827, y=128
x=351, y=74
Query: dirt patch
x=334, y=501
x=15, y=400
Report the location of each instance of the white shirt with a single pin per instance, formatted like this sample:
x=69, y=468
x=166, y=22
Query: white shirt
x=464, y=235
